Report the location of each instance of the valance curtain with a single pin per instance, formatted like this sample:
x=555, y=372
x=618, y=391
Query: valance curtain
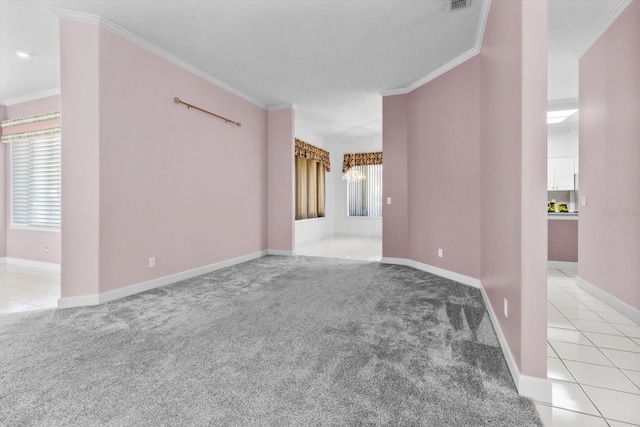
x=311, y=152
x=25, y=128
x=361, y=159
x=311, y=164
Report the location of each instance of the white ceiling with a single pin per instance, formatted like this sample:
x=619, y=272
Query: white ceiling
x=330, y=58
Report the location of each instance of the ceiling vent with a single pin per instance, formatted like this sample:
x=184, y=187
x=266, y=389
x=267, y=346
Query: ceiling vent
x=457, y=4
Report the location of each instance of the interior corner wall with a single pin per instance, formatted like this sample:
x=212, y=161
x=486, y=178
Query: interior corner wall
x=395, y=110
x=33, y=245
x=153, y=178
x=4, y=189
x=609, y=231
x=443, y=169
x=281, y=188
x=513, y=183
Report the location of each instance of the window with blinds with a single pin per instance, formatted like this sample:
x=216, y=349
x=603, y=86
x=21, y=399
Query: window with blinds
x=35, y=183
x=365, y=197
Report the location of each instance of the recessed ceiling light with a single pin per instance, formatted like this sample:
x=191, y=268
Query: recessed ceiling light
x=561, y=113
x=23, y=53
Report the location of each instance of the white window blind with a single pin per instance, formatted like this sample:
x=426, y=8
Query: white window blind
x=35, y=183
x=365, y=197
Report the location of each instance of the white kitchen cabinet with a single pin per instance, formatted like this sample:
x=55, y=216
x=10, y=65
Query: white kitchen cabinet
x=560, y=174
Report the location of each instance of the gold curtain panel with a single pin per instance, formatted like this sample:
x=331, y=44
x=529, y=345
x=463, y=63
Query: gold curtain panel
x=311, y=152
x=361, y=159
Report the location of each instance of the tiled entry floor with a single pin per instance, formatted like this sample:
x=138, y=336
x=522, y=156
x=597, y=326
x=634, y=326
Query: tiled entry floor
x=361, y=248
x=593, y=359
x=24, y=289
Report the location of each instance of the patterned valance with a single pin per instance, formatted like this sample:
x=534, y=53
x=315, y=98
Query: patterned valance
x=31, y=134
x=361, y=159
x=38, y=126
x=312, y=152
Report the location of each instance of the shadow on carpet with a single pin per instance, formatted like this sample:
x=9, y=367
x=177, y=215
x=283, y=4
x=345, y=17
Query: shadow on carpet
x=278, y=341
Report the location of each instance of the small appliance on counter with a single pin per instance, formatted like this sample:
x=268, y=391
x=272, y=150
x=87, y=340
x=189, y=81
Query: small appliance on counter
x=562, y=207
x=551, y=206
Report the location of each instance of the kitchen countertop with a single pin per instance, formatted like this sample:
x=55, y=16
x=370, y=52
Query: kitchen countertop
x=562, y=215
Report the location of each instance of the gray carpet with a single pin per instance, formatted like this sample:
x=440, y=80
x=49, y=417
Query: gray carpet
x=278, y=341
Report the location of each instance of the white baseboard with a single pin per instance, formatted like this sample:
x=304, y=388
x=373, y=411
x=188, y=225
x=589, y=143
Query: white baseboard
x=535, y=388
x=532, y=387
x=101, y=298
x=280, y=252
x=356, y=234
x=314, y=239
x=614, y=302
x=48, y=267
x=567, y=265
x=452, y=275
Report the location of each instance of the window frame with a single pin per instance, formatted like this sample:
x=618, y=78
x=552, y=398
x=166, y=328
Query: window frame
x=22, y=227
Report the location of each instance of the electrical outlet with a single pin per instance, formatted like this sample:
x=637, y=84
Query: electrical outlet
x=506, y=308
x=46, y=250
x=440, y=253
x=152, y=262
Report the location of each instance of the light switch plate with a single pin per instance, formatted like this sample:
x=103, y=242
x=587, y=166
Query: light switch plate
x=583, y=201
x=388, y=200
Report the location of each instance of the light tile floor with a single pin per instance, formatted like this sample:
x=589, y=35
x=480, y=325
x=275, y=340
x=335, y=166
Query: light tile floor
x=24, y=289
x=593, y=359
x=360, y=248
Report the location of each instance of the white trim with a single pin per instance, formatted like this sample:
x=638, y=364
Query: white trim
x=484, y=16
x=87, y=18
x=535, y=388
x=66, y=302
x=49, y=267
x=31, y=97
x=314, y=239
x=569, y=265
x=281, y=107
x=603, y=26
x=280, y=252
x=612, y=301
x=434, y=74
x=452, y=275
x=532, y=387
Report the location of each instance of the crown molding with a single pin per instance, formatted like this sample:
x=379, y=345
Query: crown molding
x=604, y=25
x=281, y=107
x=484, y=16
x=87, y=18
x=31, y=97
x=434, y=74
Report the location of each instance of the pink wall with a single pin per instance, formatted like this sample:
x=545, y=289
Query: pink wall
x=443, y=169
x=79, y=72
x=281, y=209
x=563, y=240
x=394, y=179
x=609, y=235
x=161, y=180
x=513, y=158
x=4, y=199
x=28, y=244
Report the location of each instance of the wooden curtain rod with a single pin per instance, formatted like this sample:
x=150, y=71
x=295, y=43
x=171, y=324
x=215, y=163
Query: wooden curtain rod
x=179, y=101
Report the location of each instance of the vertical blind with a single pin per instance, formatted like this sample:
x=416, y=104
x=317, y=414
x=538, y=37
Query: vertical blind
x=35, y=183
x=365, y=197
